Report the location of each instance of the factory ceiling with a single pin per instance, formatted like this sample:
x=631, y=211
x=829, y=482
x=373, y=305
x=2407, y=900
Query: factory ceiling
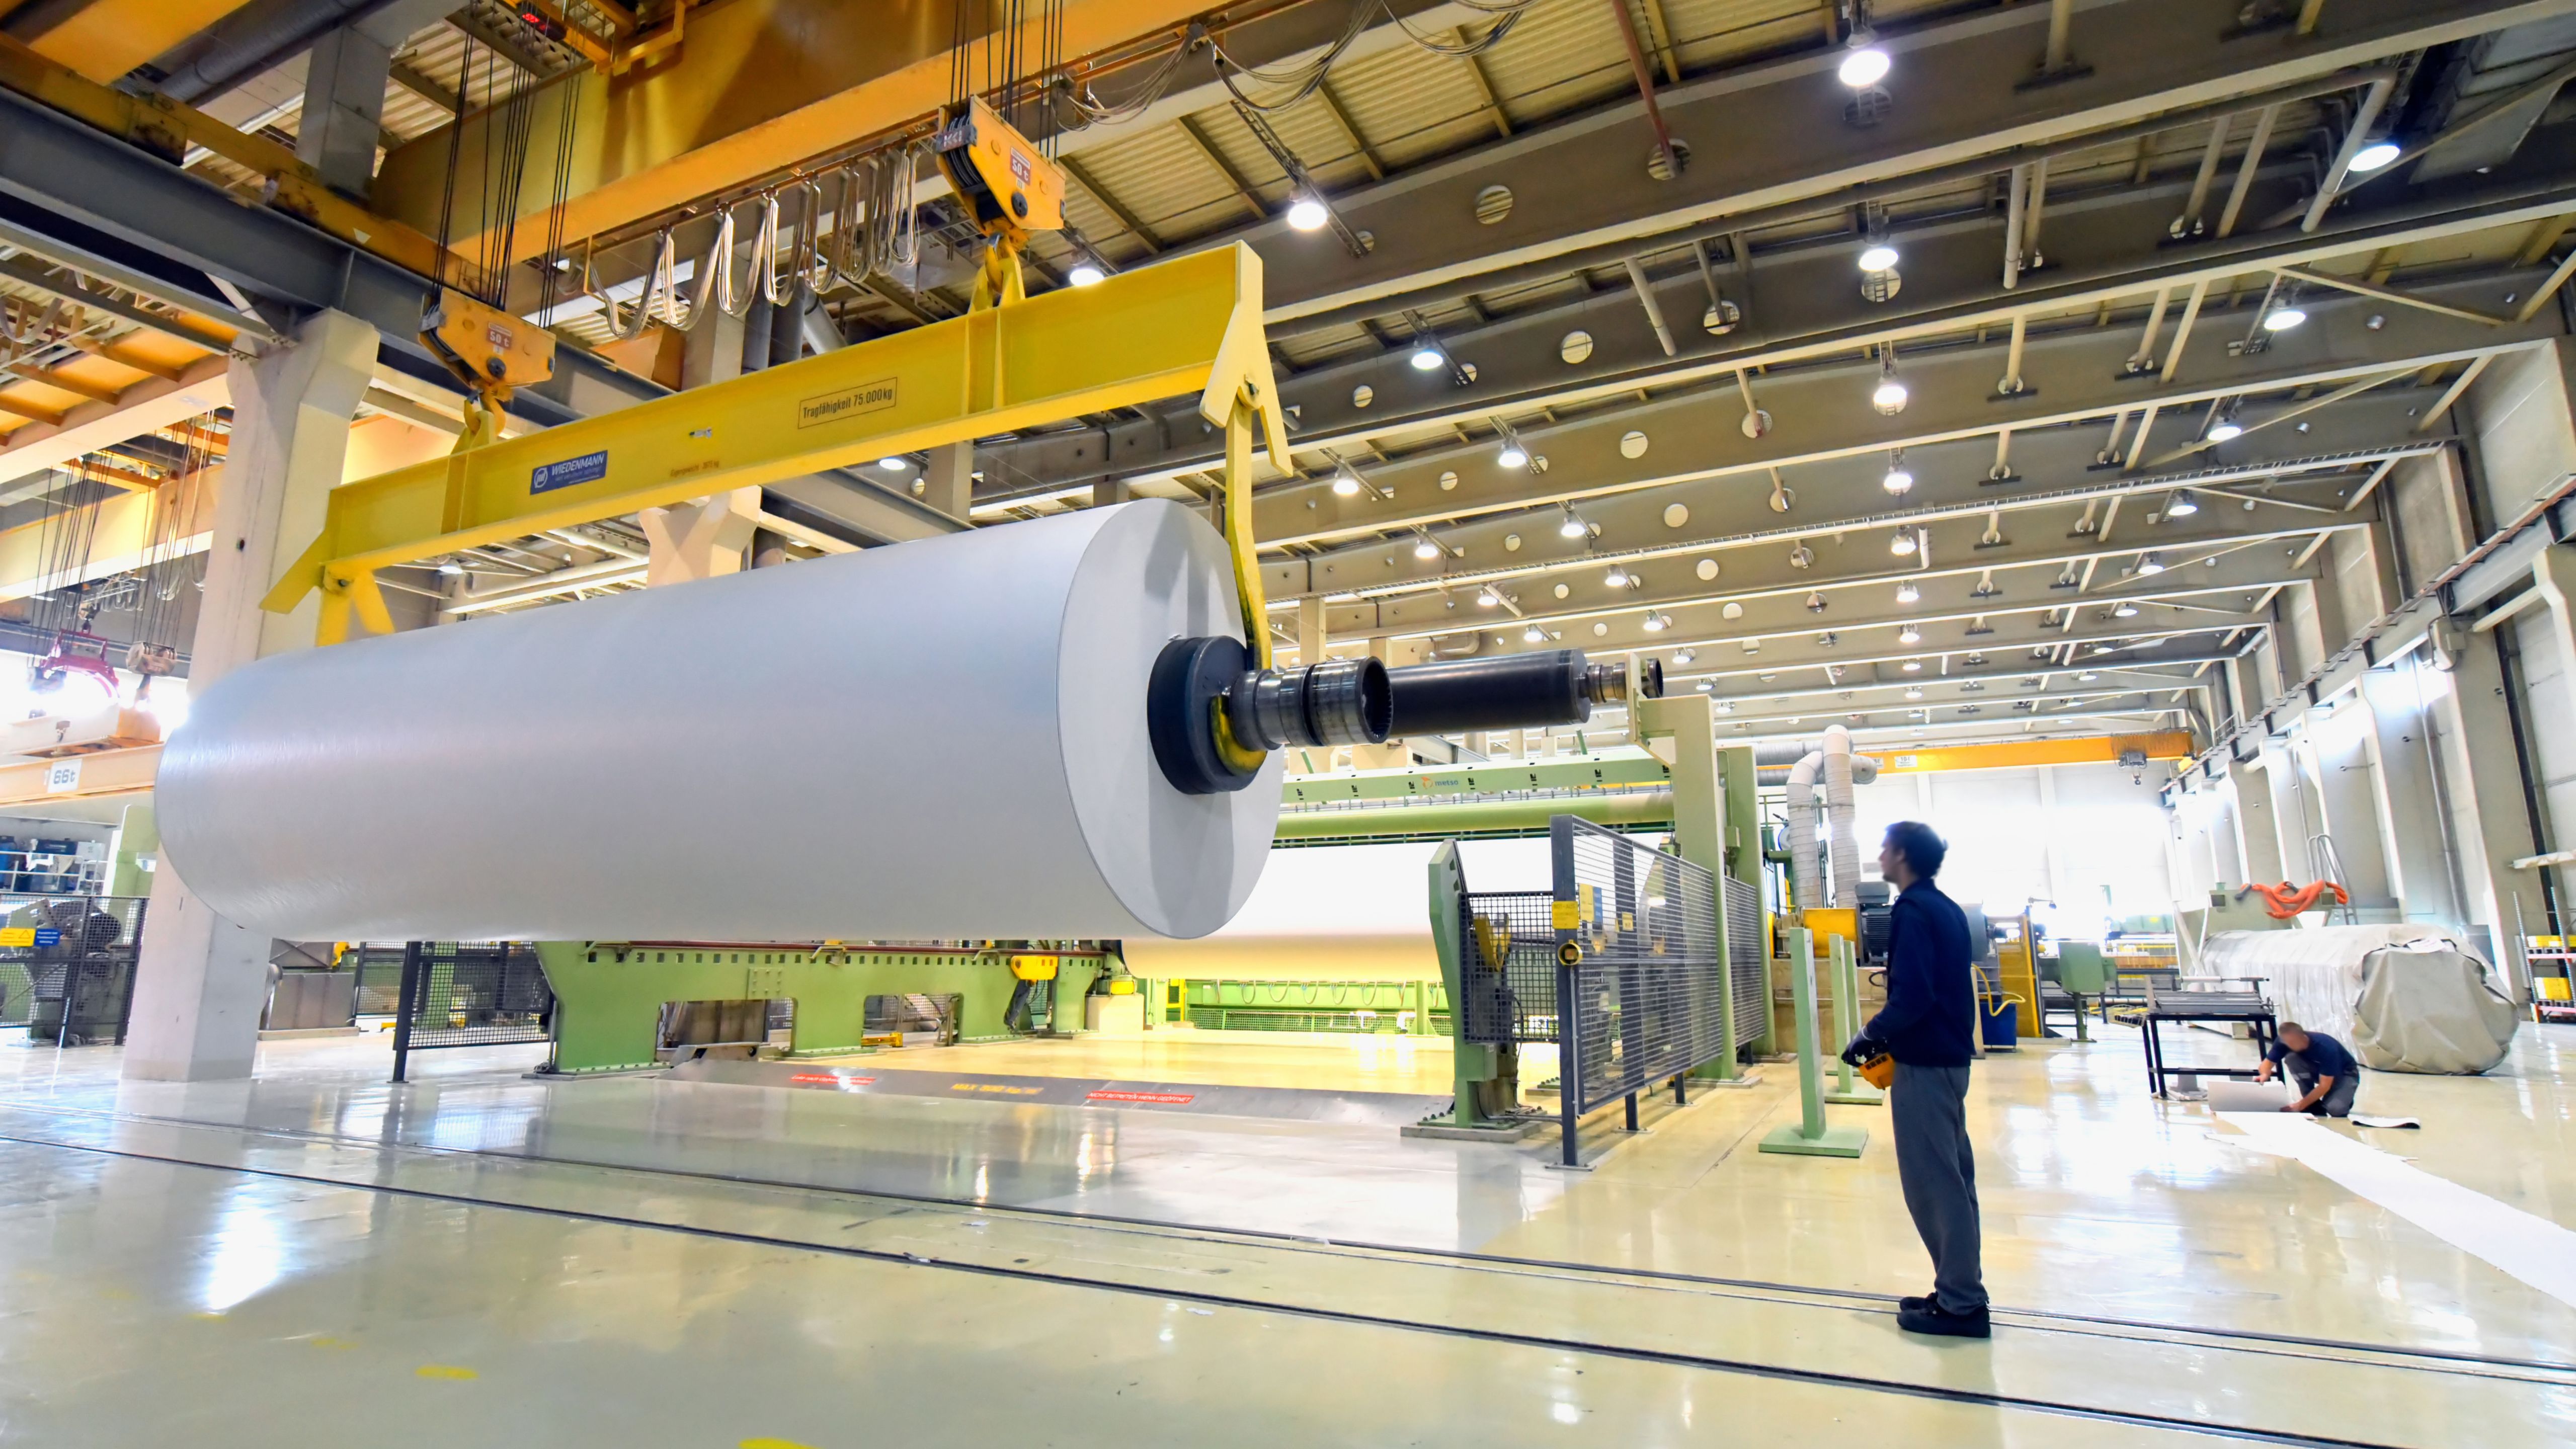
x=1574, y=330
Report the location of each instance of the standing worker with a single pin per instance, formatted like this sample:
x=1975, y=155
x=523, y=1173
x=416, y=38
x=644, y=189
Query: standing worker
x=2327, y=1075
x=1928, y=1026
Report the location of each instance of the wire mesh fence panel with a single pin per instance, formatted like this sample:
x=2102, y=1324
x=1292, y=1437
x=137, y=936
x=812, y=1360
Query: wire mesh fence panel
x=1745, y=950
x=379, y=969
x=461, y=995
x=1647, y=974
x=1509, y=950
x=78, y=953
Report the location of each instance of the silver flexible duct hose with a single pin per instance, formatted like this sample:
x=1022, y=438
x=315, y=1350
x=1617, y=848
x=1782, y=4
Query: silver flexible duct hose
x=1844, y=840
x=1806, y=864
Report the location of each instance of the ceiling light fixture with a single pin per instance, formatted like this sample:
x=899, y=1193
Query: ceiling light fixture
x=2375, y=156
x=1656, y=623
x=2282, y=319
x=1913, y=666
x=1424, y=548
x=1617, y=578
x=2181, y=504
x=1427, y=357
x=1909, y=635
x=1683, y=656
x=1915, y=693
x=1486, y=598
x=451, y=568
x=1084, y=274
x=1906, y=593
x=1573, y=526
x=1889, y=396
x=1902, y=544
x=894, y=465
x=1899, y=478
x=2151, y=562
x=1346, y=483
x=1878, y=257
x=1513, y=455
x=1864, y=64
x=1308, y=213
x=1534, y=634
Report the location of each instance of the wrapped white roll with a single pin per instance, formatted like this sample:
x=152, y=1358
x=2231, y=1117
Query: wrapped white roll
x=936, y=740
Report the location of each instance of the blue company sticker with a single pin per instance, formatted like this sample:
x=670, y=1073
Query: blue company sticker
x=49, y=936
x=588, y=468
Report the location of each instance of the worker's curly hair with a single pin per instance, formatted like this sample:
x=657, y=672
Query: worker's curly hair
x=1922, y=847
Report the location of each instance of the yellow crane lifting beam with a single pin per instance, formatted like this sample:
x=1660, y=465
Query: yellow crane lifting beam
x=1189, y=324
x=2009, y=754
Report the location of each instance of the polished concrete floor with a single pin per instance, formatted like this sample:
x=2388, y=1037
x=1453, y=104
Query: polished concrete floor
x=480, y=1258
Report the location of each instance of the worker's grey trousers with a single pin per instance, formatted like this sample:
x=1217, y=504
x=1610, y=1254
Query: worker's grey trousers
x=2338, y=1102
x=1928, y=1107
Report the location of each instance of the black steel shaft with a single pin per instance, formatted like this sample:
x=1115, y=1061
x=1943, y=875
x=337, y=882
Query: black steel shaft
x=1510, y=691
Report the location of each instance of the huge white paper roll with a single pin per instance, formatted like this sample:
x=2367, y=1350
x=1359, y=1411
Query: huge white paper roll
x=935, y=740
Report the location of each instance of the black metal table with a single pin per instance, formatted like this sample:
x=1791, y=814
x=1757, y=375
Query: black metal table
x=2200, y=1008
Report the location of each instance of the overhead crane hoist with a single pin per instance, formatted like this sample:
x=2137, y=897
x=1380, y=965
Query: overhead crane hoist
x=1216, y=706
x=1209, y=703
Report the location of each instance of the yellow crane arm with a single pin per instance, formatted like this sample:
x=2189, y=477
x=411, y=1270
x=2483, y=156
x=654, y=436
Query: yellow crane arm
x=1189, y=324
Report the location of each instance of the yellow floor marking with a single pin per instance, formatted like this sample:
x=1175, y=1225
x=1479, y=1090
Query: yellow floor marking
x=773, y=1444
x=445, y=1371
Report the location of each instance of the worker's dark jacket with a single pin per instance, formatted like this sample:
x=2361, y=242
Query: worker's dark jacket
x=1931, y=1017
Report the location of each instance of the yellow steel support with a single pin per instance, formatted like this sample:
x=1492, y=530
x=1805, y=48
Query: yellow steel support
x=755, y=89
x=105, y=39
x=93, y=776
x=2093, y=750
x=169, y=129
x=1191, y=324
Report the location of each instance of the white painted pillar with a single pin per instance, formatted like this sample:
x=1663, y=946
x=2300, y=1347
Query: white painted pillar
x=1310, y=630
x=200, y=983
x=949, y=486
x=2482, y=746
x=2258, y=837
x=699, y=539
x=2421, y=871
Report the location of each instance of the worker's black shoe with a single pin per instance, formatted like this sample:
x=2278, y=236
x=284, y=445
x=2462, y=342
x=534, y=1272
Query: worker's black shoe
x=1932, y=1318
x=1914, y=1305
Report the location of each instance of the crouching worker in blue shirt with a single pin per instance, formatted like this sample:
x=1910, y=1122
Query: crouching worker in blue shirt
x=1928, y=1026
x=2327, y=1075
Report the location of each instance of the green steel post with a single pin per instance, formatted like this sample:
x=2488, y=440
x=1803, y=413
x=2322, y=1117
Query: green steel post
x=1473, y=1063
x=136, y=840
x=1699, y=830
x=1846, y=1023
x=1809, y=1136
x=1739, y=798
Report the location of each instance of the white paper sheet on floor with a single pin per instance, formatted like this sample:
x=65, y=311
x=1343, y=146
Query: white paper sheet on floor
x=934, y=740
x=2405, y=998
x=1359, y=912
x=2527, y=1246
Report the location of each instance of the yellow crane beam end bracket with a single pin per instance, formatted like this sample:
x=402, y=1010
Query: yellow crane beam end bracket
x=1183, y=325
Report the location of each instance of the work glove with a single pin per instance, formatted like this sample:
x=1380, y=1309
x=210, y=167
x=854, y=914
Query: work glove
x=1862, y=1048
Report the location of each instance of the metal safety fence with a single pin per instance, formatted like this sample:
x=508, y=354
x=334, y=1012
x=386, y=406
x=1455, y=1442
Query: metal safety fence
x=1624, y=965
x=67, y=966
x=1747, y=958
x=456, y=994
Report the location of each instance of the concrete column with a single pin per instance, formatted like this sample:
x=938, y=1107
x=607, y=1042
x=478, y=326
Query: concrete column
x=2258, y=838
x=2553, y=577
x=712, y=350
x=950, y=484
x=2348, y=797
x=1106, y=494
x=2422, y=870
x=1310, y=630
x=2294, y=817
x=700, y=539
x=2498, y=806
x=199, y=986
